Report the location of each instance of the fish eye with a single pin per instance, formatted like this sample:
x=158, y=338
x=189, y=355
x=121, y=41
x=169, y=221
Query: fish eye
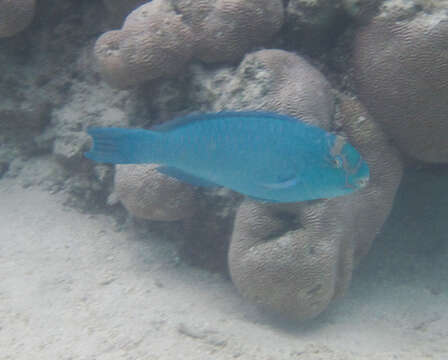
x=362, y=182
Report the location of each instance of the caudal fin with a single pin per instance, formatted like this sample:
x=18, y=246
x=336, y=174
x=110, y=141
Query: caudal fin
x=120, y=146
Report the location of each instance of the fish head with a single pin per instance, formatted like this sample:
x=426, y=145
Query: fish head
x=347, y=165
x=332, y=168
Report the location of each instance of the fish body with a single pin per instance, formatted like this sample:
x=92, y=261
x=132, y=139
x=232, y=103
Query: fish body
x=266, y=156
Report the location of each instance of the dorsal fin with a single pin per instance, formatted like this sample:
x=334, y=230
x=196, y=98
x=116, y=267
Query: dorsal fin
x=195, y=117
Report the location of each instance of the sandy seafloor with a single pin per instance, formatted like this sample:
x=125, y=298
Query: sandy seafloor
x=73, y=286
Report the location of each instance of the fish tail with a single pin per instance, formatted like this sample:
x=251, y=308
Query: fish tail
x=120, y=146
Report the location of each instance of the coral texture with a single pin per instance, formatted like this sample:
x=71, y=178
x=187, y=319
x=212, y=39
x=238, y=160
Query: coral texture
x=159, y=38
x=153, y=42
x=290, y=86
x=147, y=194
x=15, y=15
x=373, y=204
x=295, y=259
x=401, y=69
x=225, y=30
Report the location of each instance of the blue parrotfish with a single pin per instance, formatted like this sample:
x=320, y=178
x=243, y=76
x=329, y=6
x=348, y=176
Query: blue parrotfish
x=266, y=156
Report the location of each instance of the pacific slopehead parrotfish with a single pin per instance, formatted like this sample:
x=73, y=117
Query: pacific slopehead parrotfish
x=266, y=156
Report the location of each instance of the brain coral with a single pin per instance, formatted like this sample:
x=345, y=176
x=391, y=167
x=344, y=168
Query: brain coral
x=296, y=258
x=290, y=86
x=401, y=70
x=226, y=29
x=160, y=37
x=15, y=15
x=153, y=42
x=147, y=194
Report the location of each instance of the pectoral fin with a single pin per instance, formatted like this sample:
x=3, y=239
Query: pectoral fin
x=281, y=184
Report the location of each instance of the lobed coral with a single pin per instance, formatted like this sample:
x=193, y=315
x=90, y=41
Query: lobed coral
x=159, y=38
x=225, y=30
x=147, y=194
x=153, y=42
x=296, y=258
x=401, y=70
x=15, y=15
x=290, y=86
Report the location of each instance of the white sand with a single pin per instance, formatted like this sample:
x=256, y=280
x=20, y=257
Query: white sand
x=72, y=287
